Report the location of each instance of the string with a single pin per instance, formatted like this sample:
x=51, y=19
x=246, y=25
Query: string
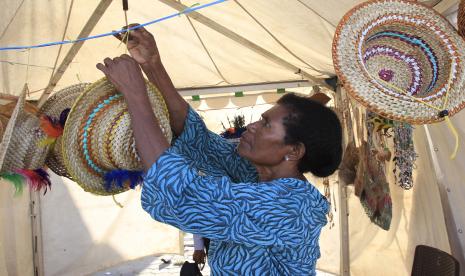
x=113, y=33
x=27, y=71
x=116, y=202
x=441, y=110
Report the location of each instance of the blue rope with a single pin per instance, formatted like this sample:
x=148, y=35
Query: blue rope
x=186, y=11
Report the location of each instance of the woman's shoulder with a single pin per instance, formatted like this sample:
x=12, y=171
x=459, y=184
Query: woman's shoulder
x=305, y=193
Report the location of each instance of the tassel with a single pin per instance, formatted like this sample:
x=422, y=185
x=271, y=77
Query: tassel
x=135, y=178
x=119, y=177
x=37, y=179
x=16, y=179
x=51, y=127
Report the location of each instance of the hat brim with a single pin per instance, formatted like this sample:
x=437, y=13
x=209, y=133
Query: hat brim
x=8, y=130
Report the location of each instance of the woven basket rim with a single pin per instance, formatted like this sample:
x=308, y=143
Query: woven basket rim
x=8, y=131
x=380, y=107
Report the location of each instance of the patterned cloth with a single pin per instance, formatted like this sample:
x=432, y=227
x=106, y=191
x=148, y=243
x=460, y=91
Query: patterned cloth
x=256, y=228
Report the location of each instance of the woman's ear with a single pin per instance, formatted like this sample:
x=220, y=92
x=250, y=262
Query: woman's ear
x=297, y=152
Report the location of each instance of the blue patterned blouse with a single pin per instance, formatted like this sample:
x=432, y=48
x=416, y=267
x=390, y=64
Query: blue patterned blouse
x=200, y=185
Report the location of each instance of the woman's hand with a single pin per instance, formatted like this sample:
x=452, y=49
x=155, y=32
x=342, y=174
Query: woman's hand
x=125, y=74
x=199, y=256
x=141, y=45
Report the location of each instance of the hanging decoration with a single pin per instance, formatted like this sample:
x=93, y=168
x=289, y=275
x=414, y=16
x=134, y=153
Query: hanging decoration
x=21, y=159
x=405, y=155
x=402, y=60
x=98, y=145
x=327, y=193
x=54, y=114
x=371, y=185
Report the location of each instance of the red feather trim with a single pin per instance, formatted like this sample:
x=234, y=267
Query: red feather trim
x=50, y=128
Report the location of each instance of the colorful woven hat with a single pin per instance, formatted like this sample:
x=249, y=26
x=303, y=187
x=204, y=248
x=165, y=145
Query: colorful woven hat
x=53, y=115
x=21, y=158
x=98, y=146
x=401, y=60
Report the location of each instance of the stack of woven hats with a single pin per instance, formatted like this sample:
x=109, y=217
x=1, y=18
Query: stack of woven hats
x=82, y=132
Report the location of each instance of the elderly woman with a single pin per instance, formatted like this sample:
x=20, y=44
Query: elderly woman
x=262, y=216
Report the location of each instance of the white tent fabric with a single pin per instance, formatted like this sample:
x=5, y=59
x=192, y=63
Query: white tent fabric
x=306, y=28
x=181, y=49
x=83, y=233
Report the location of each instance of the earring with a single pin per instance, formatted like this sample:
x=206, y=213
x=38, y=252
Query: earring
x=286, y=158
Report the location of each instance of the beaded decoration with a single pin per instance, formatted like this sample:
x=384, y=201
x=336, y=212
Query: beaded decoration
x=404, y=155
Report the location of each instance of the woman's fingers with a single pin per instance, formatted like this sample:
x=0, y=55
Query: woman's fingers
x=108, y=62
x=102, y=68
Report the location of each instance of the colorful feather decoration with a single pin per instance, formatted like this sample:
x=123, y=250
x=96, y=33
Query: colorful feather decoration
x=16, y=179
x=52, y=127
x=118, y=178
x=37, y=179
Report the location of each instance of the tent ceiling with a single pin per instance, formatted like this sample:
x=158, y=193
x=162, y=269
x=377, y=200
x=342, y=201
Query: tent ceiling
x=299, y=32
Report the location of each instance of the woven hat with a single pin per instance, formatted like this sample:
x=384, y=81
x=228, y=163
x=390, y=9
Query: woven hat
x=56, y=108
x=19, y=149
x=98, y=145
x=401, y=60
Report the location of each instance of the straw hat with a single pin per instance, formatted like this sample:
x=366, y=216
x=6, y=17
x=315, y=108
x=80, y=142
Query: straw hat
x=19, y=148
x=56, y=107
x=401, y=60
x=98, y=145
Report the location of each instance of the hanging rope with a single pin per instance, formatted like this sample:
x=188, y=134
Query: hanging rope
x=206, y=50
x=113, y=33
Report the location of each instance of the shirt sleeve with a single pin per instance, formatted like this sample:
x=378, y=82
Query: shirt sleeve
x=216, y=208
x=202, y=146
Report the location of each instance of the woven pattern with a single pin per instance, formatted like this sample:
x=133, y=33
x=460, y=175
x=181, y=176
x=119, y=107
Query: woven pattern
x=22, y=151
x=391, y=55
x=53, y=107
x=429, y=261
x=98, y=137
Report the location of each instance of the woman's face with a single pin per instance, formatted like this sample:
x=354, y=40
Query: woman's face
x=263, y=142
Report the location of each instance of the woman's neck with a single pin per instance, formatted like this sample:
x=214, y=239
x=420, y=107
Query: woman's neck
x=267, y=173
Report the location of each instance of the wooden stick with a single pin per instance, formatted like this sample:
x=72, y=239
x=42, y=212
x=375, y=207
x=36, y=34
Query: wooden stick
x=93, y=20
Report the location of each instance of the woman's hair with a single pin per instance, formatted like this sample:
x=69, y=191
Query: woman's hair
x=318, y=128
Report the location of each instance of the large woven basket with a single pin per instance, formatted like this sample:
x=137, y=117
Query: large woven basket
x=98, y=138
x=402, y=60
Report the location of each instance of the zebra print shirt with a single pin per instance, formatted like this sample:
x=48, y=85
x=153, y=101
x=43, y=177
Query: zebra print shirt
x=201, y=186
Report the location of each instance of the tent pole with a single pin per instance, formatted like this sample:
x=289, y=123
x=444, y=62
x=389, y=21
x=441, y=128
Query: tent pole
x=244, y=42
x=93, y=20
x=344, y=267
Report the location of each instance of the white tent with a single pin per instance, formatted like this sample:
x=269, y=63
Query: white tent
x=235, y=45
